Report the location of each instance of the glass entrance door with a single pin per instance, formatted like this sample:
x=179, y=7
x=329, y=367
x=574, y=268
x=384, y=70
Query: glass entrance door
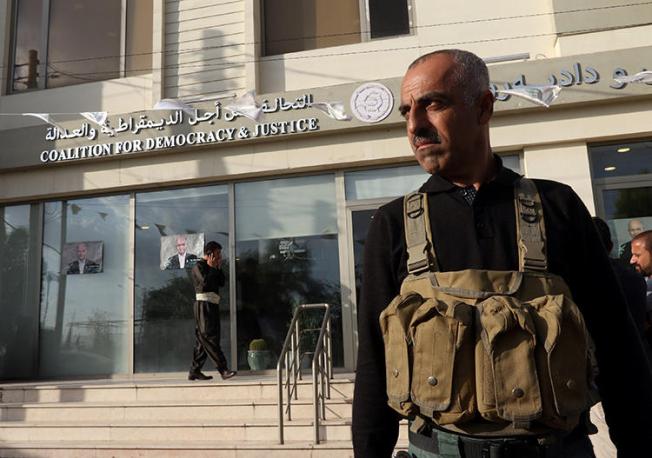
x=360, y=221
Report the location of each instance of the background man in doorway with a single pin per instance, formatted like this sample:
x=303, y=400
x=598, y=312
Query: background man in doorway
x=208, y=278
x=447, y=104
x=642, y=261
x=182, y=259
x=634, y=227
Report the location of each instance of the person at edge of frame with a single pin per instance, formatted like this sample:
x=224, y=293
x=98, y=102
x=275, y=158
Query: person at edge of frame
x=207, y=277
x=447, y=104
x=641, y=260
x=631, y=282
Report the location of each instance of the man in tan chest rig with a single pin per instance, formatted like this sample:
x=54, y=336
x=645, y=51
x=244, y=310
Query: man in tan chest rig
x=482, y=296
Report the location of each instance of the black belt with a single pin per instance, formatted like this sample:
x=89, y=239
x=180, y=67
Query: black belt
x=489, y=447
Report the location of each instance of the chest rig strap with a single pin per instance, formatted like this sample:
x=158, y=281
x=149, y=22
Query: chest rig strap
x=530, y=230
x=418, y=237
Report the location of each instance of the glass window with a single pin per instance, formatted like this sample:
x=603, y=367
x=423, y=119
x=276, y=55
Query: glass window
x=28, y=14
x=512, y=161
x=298, y=25
x=18, y=311
x=621, y=159
x=164, y=323
x=84, y=41
x=387, y=182
x=625, y=200
x=139, y=37
x=287, y=255
x=85, y=305
x=388, y=18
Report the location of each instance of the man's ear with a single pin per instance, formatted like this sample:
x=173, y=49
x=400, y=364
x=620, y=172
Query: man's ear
x=486, y=107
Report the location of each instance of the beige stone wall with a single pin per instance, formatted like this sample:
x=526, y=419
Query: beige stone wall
x=204, y=48
x=606, y=40
x=584, y=16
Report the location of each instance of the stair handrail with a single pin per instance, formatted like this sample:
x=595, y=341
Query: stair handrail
x=322, y=368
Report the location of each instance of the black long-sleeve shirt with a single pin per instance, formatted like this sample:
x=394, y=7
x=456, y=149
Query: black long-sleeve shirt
x=483, y=236
x=207, y=279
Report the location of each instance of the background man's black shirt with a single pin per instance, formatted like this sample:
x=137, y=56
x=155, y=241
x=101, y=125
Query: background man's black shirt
x=483, y=236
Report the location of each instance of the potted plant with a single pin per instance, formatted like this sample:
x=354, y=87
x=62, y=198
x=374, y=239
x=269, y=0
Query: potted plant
x=258, y=355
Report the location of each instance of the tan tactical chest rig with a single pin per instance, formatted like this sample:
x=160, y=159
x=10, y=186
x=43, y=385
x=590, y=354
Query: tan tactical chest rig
x=481, y=351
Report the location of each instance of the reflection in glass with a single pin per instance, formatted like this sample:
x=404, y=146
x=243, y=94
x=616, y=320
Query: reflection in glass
x=628, y=212
x=164, y=322
x=299, y=25
x=139, y=37
x=18, y=315
x=85, y=318
x=287, y=255
x=28, y=30
x=83, y=41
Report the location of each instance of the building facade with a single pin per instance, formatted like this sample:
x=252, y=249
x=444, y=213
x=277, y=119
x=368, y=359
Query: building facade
x=288, y=194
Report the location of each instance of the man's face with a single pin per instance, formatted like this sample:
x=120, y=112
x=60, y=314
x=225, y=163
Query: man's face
x=443, y=129
x=634, y=228
x=218, y=256
x=181, y=246
x=641, y=258
x=81, y=252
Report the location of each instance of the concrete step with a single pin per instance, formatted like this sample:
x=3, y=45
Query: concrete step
x=235, y=409
x=214, y=449
x=171, y=390
x=169, y=417
x=171, y=430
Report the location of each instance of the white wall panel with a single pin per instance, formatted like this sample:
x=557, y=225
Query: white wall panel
x=204, y=48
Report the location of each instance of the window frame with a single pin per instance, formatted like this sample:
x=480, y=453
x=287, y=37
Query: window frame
x=42, y=74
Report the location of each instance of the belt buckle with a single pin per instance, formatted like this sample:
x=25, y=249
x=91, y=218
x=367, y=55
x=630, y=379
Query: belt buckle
x=522, y=448
x=511, y=448
x=493, y=449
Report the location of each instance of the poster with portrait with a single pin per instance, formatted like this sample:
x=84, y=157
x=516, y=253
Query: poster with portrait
x=80, y=258
x=181, y=251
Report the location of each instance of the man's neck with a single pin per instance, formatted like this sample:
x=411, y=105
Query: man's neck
x=478, y=177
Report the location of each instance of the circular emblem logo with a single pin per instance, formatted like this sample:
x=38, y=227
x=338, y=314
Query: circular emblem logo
x=372, y=102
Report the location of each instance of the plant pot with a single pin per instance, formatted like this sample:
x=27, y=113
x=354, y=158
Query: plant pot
x=259, y=359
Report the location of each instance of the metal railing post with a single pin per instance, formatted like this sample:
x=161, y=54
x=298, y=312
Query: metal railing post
x=290, y=360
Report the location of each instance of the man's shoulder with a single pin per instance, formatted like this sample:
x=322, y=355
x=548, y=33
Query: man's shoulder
x=558, y=196
x=200, y=265
x=390, y=213
x=393, y=206
x=552, y=187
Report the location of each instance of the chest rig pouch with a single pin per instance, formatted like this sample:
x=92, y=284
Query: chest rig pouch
x=481, y=351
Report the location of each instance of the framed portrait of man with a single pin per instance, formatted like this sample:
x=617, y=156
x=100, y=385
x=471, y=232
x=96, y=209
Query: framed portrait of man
x=181, y=251
x=81, y=258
